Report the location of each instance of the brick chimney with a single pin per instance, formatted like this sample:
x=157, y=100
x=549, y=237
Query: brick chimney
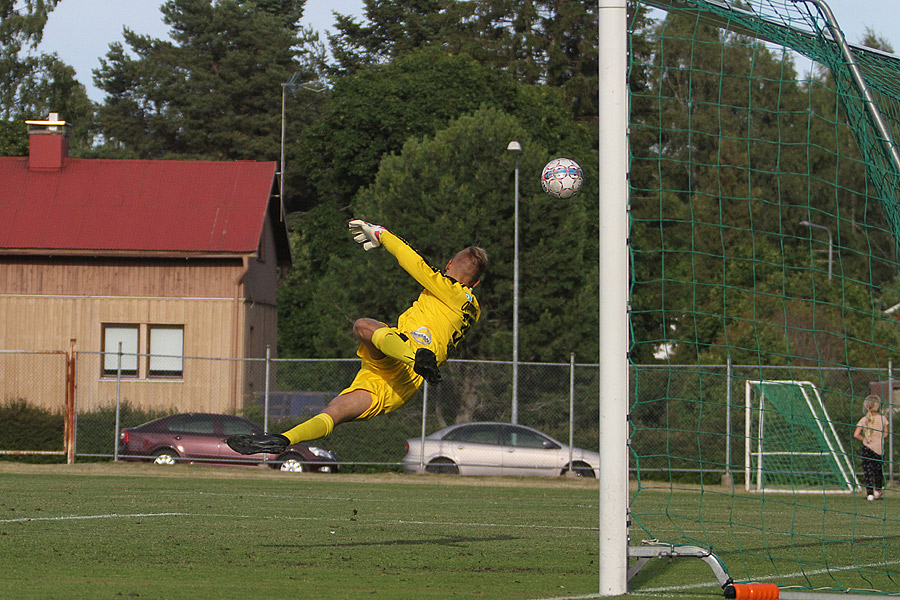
x=48, y=144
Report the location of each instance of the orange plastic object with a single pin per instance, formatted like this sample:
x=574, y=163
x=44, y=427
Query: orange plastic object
x=752, y=591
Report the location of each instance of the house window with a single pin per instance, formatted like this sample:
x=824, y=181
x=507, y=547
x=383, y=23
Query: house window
x=166, y=351
x=113, y=336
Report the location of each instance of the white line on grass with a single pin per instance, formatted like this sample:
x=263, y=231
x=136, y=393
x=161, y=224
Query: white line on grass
x=83, y=517
x=293, y=518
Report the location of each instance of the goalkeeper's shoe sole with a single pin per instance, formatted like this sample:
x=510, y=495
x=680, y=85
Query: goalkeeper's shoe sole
x=256, y=443
x=426, y=366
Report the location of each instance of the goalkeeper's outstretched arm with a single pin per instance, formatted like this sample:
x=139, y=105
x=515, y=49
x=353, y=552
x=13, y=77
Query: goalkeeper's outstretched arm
x=466, y=267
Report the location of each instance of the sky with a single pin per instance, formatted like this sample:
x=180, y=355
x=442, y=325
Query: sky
x=80, y=31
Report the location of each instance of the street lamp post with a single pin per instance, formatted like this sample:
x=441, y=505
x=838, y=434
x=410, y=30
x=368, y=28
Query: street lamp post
x=830, y=244
x=516, y=149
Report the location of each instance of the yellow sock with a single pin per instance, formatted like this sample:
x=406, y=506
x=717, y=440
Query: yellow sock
x=318, y=427
x=388, y=341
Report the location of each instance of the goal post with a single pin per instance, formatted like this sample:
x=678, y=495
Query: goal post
x=791, y=444
x=613, y=298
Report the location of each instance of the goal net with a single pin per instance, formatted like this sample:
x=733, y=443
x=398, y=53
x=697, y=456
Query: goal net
x=791, y=444
x=764, y=214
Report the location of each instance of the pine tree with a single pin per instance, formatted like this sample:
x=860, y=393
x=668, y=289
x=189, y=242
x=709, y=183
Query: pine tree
x=213, y=91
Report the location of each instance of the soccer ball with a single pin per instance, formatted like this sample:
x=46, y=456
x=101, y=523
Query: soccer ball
x=562, y=178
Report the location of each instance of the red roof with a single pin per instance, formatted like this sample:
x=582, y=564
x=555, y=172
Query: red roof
x=118, y=206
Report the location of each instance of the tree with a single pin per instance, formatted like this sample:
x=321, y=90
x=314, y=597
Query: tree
x=32, y=85
x=395, y=28
x=872, y=39
x=545, y=42
x=444, y=192
x=373, y=112
x=212, y=92
x=13, y=138
x=21, y=28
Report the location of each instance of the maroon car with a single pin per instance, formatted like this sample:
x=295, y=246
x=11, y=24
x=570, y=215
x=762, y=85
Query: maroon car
x=200, y=437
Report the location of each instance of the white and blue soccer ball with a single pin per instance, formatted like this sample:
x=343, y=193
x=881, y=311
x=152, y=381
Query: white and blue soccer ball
x=562, y=178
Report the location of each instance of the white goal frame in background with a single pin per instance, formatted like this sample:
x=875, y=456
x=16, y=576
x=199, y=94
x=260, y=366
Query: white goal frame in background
x=754, y=447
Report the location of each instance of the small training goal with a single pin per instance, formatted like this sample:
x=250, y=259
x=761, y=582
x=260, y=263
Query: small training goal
x=791, y=443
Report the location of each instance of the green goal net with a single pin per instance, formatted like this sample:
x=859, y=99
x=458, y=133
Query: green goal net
x=764, y=221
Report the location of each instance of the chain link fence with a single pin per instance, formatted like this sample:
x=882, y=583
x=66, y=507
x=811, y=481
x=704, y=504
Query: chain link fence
x=280, y=393
x=34, y=390
x=691, y=418
x=687, y=419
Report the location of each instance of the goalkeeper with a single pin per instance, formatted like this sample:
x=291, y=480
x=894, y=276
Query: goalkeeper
x=395, y=360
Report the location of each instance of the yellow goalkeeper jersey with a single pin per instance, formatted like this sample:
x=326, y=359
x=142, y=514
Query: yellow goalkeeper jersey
x=445, y=310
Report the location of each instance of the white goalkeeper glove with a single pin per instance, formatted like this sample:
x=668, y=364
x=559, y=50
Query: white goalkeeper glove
x=366, y=234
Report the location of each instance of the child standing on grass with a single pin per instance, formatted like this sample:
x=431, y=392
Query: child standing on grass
x=871, y=431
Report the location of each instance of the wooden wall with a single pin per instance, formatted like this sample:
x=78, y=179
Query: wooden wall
x=117, y=277
x=46, y=302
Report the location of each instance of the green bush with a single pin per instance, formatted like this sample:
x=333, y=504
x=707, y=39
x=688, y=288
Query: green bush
x=27, y=427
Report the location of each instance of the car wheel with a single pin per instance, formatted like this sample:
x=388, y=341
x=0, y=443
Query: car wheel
x=166, y=456
x=442, y=465
x=582, y=469
x=291, y=463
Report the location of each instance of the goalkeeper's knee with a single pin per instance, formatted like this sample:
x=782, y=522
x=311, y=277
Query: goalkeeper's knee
x=392, y=344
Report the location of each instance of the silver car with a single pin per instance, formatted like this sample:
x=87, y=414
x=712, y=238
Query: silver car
x=496, y=449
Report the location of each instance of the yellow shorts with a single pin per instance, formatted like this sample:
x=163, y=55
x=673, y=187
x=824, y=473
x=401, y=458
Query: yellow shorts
x=390, y=382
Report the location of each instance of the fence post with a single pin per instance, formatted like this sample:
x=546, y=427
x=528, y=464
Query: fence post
x=70, y=404
x=266, y=393
x=726, y=478
x=571, y=471
x=890, y=396
x=118, y=403
x=424, y=422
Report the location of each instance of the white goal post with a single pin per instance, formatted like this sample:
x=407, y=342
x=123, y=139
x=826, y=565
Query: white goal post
x=812, y=460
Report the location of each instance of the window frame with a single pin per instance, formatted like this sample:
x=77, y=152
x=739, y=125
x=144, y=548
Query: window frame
x=159, y=373
x=105, y=353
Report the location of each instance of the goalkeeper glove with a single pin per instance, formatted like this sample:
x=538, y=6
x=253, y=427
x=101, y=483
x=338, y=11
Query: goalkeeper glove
x=366, y=234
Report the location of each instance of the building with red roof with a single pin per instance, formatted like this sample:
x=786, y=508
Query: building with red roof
x=169, y=259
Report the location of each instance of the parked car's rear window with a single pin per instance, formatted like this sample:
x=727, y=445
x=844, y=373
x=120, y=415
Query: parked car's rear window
x=232, y=426
x=478, y=434
x=192, y=424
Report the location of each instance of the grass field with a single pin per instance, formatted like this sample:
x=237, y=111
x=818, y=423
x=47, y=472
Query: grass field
x=134, y=530
x=113, y=531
